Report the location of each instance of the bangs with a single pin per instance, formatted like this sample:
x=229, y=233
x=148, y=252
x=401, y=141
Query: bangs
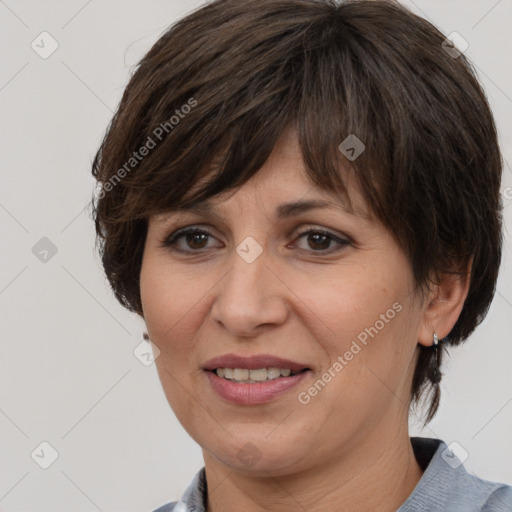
x=319, y=89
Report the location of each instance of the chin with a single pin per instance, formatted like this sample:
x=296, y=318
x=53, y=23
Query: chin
x=259, y=457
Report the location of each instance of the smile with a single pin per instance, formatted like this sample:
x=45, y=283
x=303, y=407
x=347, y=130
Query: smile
x=253, y=376
x=253, y=392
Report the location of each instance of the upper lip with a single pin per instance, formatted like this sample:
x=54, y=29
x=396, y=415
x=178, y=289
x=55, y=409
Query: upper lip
x=253, y=362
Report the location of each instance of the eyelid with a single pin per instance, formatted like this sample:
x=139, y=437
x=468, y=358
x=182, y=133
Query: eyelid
x=340, y=237
x=341, y=240
x=168, y=240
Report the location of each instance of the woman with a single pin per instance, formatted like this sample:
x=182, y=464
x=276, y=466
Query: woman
x=301, y=199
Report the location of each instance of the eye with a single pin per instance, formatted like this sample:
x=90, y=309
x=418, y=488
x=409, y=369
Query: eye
x=195, y=239
x=320, y=240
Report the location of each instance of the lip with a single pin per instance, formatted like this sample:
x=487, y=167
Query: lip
x=253, y=362
x=241, y=393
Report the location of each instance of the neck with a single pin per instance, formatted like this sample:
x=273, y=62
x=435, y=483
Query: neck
x=374, y=476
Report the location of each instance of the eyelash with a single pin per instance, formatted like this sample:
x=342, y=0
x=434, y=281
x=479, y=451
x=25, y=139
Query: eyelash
x=171, y=240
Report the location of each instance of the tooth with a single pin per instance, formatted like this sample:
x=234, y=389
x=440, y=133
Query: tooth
x=273, y=373
x=258, y=375
x=252, y=376
x=240, y=373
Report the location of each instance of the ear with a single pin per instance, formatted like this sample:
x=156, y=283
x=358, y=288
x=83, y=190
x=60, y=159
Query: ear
x=443, y=306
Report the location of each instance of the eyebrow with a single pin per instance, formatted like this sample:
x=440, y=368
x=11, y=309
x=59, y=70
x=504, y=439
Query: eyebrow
x=295, y=208
x=283, y=211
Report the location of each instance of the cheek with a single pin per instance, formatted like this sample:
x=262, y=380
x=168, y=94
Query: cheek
x=174, y=304
x=173, y=311
x=365, y=323
x=350, y=301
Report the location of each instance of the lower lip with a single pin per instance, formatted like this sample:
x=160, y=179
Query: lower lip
x=242, y=393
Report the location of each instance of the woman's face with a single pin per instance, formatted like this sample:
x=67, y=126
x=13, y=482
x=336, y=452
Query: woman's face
x=341, y=305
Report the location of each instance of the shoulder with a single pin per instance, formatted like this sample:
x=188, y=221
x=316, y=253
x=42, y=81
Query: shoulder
x=169, y=507
x=446, y=485
x=500, y=500
x=180, y=506
x=193, y=499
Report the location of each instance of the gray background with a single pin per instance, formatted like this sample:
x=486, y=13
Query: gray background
x=68, y=373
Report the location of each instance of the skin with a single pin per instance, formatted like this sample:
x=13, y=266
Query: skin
x=301, y=299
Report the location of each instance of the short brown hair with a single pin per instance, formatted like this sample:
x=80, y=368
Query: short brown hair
x=247, y=69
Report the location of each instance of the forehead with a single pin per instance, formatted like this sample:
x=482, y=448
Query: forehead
x=280, y=204
x=282, y=185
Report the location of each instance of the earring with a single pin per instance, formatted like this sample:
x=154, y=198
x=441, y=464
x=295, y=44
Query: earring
x=434, y=373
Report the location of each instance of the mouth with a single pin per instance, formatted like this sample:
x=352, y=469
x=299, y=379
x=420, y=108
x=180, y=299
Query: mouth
x=258, y=367
x=252, y=376
x=255, y=379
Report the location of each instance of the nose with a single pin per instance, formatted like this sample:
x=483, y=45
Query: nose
x=251, y=298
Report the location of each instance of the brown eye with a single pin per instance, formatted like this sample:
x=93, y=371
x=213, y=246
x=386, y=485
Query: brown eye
x=196, y=240
x=190, y=239
x=320, y=241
